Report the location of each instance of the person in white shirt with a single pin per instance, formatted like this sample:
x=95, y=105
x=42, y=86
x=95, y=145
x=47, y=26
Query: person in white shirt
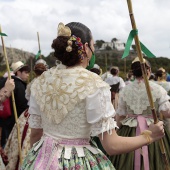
x=116, y=83
x=114, y=79
x=106, y=75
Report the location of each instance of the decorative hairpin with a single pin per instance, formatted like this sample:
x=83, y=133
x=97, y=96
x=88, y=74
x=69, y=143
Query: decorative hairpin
x=78, y=43
x=63, y=30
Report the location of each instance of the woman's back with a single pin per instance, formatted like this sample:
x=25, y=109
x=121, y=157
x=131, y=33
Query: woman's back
x=63, y=103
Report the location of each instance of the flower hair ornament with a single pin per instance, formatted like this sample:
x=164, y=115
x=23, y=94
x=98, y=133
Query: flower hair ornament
x=63, y=30
x=78, y=43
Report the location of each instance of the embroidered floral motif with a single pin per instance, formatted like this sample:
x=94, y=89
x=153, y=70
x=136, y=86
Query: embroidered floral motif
x=57, y=91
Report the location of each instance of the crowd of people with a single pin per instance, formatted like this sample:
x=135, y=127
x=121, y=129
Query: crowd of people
x=73, y=116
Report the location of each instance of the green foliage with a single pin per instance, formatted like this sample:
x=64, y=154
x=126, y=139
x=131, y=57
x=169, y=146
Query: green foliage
x=108, y=48
x=156, y=63
x=51, y=60
x=114, y=59
x=114, y=39
x=105, y=59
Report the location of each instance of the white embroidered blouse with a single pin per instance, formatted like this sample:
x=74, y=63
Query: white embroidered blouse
x=133, y=99
x=71, y=103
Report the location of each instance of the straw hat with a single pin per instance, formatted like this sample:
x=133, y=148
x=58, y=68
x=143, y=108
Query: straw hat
x=162, y=69
x=137, y=60
x=16, y=66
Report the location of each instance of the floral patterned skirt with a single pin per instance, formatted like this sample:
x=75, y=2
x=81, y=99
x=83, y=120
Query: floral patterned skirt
x=48, y=154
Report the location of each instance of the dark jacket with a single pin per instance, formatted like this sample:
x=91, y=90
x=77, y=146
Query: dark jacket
x=20, y=101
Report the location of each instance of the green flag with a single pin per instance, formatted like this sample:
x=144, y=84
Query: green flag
x=38, y=54
x=145, y=50
x=2, y=34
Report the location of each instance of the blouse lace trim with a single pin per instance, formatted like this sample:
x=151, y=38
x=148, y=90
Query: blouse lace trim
x=135, y=95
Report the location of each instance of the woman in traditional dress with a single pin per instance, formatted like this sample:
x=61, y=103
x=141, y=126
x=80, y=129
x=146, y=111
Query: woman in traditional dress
x=5, y=92
x=134, y=115
x=69, y=104
x=11, y=147
x=161, y=77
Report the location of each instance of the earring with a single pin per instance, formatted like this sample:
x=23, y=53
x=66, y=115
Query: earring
x=81, y=59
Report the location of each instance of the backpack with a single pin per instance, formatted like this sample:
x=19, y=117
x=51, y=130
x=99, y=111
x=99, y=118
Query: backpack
x=5, y=109
x=114, y=89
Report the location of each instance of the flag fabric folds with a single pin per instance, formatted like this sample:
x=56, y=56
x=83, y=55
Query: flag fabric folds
x=145, y=50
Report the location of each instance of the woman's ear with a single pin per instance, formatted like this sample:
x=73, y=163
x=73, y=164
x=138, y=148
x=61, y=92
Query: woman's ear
x=86, y=47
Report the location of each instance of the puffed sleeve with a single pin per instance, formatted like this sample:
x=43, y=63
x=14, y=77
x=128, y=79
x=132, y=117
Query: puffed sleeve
x=164, y=104
x=35, y=114
x=121, y=110
x=100, y=112
x=122, y=84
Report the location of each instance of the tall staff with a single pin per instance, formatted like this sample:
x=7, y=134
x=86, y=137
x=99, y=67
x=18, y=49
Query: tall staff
x=39, y=44
x=13, y=98
x=139, y=52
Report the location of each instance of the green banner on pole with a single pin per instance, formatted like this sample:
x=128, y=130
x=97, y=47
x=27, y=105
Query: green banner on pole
x=2, y=34
x=38, y=54
x=145, y=50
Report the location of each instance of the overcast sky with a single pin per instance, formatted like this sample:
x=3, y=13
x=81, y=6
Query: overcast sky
x=107, y=19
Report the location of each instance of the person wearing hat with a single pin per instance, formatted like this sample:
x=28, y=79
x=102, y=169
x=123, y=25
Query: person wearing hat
x=21, y=72
x=96, y=69
x=11, y=147
x=134, y=115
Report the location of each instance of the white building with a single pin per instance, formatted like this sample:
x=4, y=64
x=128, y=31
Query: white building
x=118, y=45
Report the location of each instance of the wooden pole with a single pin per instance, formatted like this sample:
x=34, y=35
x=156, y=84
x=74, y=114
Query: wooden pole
x=39, y=43
x=13, y=99
x=139, y=52
x=106, y=61
x=125, y=67
x=31, y=62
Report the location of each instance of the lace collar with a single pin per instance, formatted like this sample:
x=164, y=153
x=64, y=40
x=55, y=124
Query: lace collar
x=58, y=90
x=136, y=97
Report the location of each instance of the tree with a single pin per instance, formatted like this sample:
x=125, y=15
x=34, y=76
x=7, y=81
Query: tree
x=99, y=43
x=134, y=47
x=108, y=48
x=114, y=39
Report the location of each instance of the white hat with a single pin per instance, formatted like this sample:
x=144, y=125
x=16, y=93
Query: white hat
x=96, y=66
x=16, y=66
x=42, y=62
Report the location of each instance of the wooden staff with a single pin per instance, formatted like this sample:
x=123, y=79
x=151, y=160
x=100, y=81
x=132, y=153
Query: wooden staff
x=13, y=100
x=146, y=80
x=125, y=67
x=39, y=43
x=139, y=52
